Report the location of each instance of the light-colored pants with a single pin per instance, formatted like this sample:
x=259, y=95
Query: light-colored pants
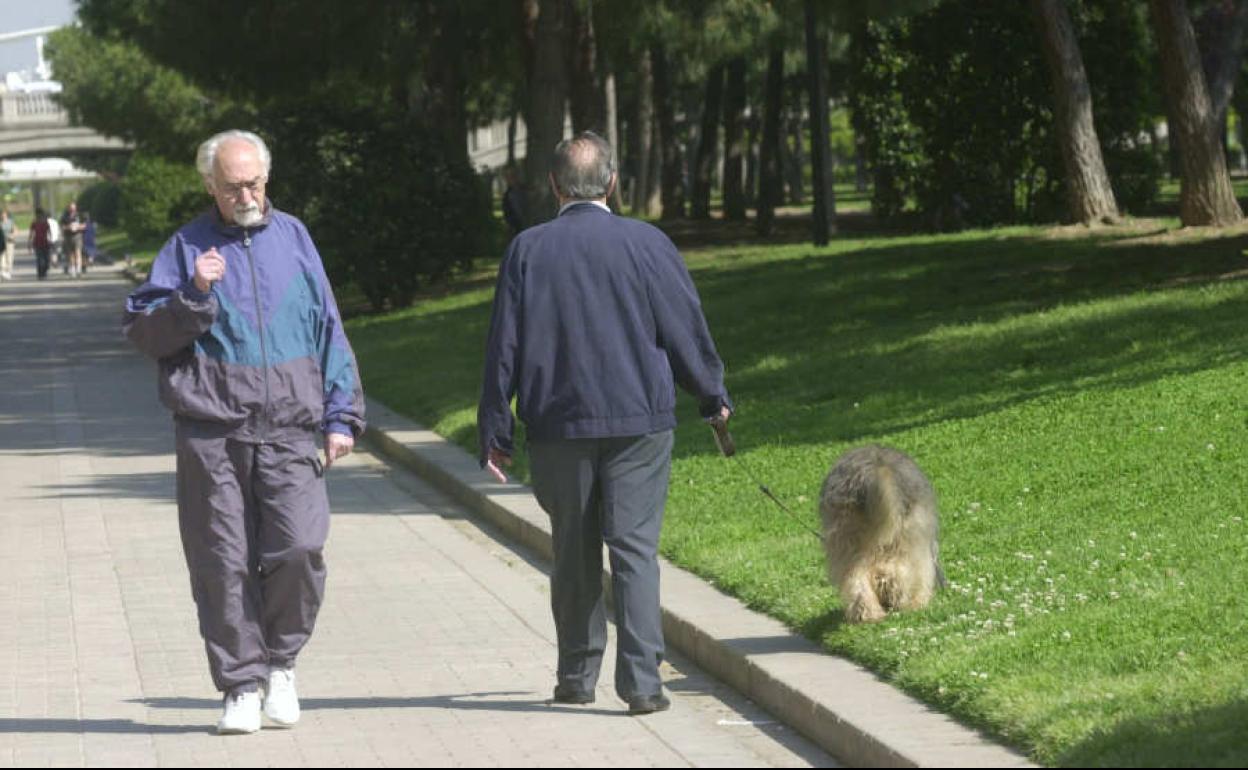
x=6, y=257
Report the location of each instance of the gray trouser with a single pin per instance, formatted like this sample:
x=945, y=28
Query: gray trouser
x=608, y=490
x=254, y=519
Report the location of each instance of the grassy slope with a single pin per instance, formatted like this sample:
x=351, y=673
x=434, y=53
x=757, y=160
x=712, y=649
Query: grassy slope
x=1078, y=403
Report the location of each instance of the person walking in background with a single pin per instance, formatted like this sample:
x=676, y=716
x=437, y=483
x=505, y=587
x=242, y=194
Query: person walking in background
x=7, y=233
x=513, y=200
x=39, y=239
x=593, y=316
x=254, y=364
x=71, y=235
x=89, y=248
x=54, y=244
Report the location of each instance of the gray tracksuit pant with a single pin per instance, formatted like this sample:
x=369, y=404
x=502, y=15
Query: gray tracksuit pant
x=610, y=490
x=254, y=519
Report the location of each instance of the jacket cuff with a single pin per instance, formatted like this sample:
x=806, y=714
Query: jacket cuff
x=192, y=293
x=710, y=406
x=339, y=427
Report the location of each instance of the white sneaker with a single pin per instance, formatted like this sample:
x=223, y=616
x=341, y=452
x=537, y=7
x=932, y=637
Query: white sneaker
x=241, y=715
x=281, y=702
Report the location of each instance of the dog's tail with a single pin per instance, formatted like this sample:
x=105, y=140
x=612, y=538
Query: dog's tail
x=885, y=507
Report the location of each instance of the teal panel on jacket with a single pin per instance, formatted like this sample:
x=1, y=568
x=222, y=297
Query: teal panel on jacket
x=232, y=338
x=293, y=330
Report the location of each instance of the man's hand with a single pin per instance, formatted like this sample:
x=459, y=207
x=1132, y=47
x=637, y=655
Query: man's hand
x=495, y=461
x=337, y=445
x=209, y=268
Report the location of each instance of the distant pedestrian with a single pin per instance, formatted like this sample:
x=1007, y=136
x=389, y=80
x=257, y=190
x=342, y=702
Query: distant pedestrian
x=594, y=315
x=254, y=365
x=513, y=200
x=7, y=233
x=54, y=243
x=72, y=226
x=39, y=239
x=89, y=248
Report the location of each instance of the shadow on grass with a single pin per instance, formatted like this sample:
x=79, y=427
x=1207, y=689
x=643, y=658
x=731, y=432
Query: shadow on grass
x=1212, y=737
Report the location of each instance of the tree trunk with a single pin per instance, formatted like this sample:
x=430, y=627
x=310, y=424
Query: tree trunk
x=793, y=158
x=751, y=160
x=654, y=193
x=668, y=143
x=587, y=100
x=442, y=99
x=823, y=209
x=862, y=174
x=1221, y=43
x=1089, y=194
x=708, y=144
x=613, y=135
x=1205, y=193
x=548, y=90
x=734, y=140
x=511, y=137
x=769, y=153
x=644, y=131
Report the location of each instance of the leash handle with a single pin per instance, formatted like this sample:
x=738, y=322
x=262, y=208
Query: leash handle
x=723, y=439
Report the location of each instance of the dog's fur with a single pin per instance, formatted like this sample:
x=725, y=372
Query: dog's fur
x=880, y=532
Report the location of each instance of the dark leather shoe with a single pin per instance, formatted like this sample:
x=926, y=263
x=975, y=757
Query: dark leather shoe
x=572, y=696
x=648, y=704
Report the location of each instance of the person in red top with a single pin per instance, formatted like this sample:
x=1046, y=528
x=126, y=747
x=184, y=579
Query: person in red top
x=40, y=240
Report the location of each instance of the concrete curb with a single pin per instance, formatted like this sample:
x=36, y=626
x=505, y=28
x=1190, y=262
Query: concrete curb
x=847, y=710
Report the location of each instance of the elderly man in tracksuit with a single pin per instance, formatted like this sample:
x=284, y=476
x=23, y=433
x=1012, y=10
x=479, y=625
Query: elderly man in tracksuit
x=595, y=321
x=254, y=364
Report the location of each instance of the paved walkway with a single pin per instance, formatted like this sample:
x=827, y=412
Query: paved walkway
x=434, y=648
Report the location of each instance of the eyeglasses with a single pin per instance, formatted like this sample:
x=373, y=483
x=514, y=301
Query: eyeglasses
x=235, y=191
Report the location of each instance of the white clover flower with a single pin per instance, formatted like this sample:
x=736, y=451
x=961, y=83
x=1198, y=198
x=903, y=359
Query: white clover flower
x=1065, y=636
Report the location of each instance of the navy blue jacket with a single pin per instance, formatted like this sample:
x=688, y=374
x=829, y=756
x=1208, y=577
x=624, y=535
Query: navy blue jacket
x=594, y=315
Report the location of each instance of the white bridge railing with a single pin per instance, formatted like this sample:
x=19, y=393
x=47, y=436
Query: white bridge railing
x=20, y=109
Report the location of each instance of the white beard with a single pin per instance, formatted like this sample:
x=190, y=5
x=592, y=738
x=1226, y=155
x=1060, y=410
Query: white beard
x=248, y=216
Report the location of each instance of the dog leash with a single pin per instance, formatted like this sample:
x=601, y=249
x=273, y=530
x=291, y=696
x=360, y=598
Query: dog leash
x=723, y=439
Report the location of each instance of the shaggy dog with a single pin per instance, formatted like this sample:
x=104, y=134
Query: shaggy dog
x=880, y=531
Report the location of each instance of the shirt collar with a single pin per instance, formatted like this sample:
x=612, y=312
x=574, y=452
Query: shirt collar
x=570, y=204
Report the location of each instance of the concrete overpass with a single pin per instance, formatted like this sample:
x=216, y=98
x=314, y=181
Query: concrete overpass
x=34, y=125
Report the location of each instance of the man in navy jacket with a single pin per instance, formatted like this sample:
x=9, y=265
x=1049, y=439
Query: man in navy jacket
x=595, y=320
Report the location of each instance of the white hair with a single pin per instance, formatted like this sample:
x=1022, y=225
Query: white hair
x=206, y=157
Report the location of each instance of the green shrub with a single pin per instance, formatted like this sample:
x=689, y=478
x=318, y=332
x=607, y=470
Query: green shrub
x=158, y=197
x=386, y=205
x=102, y=201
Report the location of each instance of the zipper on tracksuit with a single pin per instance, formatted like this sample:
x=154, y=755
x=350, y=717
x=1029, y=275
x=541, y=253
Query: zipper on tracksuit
x=264, y=353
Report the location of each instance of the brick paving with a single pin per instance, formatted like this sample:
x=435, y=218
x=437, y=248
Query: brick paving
x=435, y=646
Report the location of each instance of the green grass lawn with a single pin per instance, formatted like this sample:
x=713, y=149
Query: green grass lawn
x=1079, y=403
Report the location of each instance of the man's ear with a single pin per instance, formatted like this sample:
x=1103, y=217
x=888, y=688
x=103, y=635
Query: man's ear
x=554, y=187
x=615, y=177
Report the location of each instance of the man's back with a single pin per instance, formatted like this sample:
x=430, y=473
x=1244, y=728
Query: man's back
x=603, y=312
